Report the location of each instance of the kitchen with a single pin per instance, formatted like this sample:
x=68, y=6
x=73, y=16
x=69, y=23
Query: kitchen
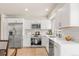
x=51, y=28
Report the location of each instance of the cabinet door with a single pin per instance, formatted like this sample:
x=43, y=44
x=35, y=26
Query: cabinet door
x=45, y=42
x=27, y=41
x=43, y=26
x=15, y=20
x=65, y=15
x=57, y=21
x=62, y=17
x=27, y=24
x=46, y=24
x=56, y=49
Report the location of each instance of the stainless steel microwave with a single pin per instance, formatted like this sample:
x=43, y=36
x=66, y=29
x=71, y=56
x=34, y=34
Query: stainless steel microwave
x=36, y=26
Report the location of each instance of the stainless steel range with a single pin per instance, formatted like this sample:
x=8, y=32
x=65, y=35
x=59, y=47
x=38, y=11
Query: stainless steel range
x=36, y=39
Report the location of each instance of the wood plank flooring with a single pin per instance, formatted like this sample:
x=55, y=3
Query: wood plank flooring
x=32, y=52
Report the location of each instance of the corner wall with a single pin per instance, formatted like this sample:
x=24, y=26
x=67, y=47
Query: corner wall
x=4, y=28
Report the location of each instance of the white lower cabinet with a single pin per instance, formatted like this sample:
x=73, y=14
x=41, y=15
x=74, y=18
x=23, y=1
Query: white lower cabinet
x=70, y=50
x=26, y=42
x=56, y=49
x=45, y=42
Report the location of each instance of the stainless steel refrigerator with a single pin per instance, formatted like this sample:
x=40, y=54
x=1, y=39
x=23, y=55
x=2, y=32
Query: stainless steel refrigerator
x=15, y=35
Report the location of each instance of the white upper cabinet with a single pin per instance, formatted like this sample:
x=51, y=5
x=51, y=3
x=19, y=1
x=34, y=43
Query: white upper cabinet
x=45, y=24
x=68, y=16
x=62, y=17
x=74, y=14
x=15, y=20
x=65, y=16
x=27, y=24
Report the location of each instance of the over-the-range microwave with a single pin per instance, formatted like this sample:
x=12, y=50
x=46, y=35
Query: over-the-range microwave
x=36, y=26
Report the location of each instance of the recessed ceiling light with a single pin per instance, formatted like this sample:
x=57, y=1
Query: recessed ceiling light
x=26, y=9
x=46, y=9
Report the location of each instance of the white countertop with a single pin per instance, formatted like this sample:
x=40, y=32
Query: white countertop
x=63, y=42
x=65, y=48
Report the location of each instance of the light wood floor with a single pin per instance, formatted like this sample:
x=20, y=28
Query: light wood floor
x=32, y=52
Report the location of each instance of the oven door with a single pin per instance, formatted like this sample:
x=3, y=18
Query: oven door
x=35, y=41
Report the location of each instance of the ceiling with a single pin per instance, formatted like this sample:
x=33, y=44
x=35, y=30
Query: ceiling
x=34, y=9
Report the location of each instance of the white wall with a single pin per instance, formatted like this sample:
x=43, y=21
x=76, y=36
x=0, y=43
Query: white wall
x=4, y=28
x=74, y=14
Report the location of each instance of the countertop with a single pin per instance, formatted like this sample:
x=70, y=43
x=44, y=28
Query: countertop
x=63, y=42
x=65, y=48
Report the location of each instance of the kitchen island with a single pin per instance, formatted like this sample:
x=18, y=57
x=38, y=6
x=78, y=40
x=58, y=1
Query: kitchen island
x=64, y=48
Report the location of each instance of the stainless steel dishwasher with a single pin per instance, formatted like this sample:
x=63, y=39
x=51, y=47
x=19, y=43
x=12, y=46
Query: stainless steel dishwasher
x=51, y=48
